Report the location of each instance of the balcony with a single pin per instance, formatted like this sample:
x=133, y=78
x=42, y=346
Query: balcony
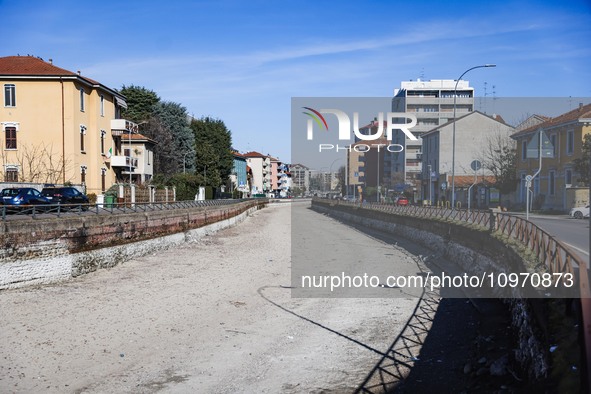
x=123, y=126
x=124, y=161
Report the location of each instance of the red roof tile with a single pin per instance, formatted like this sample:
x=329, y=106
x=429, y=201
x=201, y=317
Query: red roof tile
x=29, y=65
x=581, y=112
x=33, y=66
x=468, y=180
x=254, y=154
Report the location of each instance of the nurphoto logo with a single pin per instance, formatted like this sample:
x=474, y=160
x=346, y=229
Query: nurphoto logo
x=394, y=121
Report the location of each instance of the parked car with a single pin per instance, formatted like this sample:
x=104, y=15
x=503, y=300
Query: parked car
x=17, y=197
x=64, y=195
x=579, y=212
x=349, y=197
x=403, y=201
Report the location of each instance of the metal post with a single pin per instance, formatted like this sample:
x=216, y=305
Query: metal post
x=347, y=174
x=130, y=161
x=453, y=147
x=430, y=186
x=470, y=189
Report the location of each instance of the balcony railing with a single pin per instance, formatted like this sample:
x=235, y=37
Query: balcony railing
x=123, y=161
x=123, y=126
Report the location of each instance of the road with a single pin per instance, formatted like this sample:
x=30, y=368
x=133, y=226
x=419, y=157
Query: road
x=573, y=232
x=213, y=316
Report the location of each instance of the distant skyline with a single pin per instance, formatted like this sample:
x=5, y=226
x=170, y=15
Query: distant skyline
x=242, y=62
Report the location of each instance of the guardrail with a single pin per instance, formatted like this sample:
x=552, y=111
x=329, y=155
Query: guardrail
x=58, y=210
x=548, y=250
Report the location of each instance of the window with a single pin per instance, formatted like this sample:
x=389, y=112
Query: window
x=568, y=177
x=9, y=95
x=102, y=105
x=103, y=133
x=126, y=152
x=10, y=136
x=81, y=99
x=11, y=174
x=551, y=183
x=554, y=142
x=570, y=142
x=103, y=179
x=83, y=174
x=82, y=134
x=523, y=150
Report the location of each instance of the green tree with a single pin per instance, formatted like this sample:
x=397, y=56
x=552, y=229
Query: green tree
x=179, y=155
x=140, y=103
x=582, y=164
x=213, y=147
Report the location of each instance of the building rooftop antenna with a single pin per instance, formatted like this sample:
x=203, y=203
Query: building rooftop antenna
x=494, y=94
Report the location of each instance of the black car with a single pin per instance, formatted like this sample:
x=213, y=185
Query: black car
x=64, y=195
x=18, y=197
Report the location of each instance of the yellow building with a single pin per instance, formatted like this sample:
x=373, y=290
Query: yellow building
x=59, y=126
x=558, y=178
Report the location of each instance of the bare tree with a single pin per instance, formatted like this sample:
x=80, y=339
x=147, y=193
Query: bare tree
x=500, y=157
x=37, y=163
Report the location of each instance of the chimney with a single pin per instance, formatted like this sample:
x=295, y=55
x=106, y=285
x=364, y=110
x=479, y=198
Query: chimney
x=580, y=106
x=78, y=72
x=50, y=61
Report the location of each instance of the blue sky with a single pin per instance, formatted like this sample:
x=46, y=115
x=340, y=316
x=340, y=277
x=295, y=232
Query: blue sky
x=242, y=61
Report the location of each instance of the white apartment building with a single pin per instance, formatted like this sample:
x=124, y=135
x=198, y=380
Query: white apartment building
x=260, y=166
x=300, y=176
x=432, y=102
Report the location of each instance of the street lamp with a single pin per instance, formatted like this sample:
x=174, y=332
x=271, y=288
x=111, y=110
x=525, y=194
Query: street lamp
x=330, y=171
x=453, y=146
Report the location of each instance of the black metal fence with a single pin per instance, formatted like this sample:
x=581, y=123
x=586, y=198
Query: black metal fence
x=59, y=210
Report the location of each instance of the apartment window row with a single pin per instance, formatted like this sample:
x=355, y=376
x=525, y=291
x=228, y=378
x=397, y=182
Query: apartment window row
x=11, y=175
x=10, y=98
x=569, y=149
x=10, y=137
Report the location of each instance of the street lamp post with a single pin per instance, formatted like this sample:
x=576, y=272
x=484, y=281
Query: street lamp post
x=430, y=185
x=184, y=166
x=453, y=146
x=330, y=171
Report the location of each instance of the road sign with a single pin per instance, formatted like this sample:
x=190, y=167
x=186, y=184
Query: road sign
x=444, y=186
x=534, y=146
x=476, y=165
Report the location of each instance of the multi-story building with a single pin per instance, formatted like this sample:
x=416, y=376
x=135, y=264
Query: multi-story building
x=356, y=171
x=474, y=131
x=275, y=181
x=300, y=177
x=372, y=164
x=261, y=172
x=432, y=102
x=238, y=176
x=556, y=185
x=142, y=154
x=69, y=123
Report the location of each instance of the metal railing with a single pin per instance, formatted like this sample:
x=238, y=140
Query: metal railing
x=548, y=250
x=59, y=210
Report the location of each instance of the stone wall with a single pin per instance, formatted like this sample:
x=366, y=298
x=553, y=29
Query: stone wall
x=54, y=249
x=475, y=251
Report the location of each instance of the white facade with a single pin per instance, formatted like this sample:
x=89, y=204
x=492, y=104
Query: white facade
x=432, y=102
x=300, y=177
x=261, y=172
x=473, y=133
